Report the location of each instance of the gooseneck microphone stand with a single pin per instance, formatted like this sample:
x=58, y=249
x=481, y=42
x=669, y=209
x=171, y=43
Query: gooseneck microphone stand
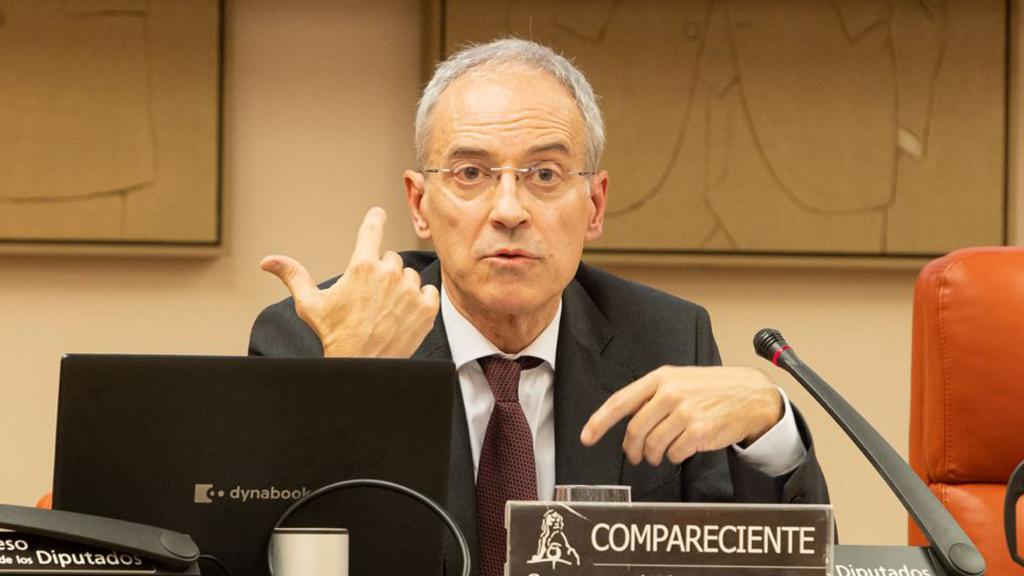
x=949, y=543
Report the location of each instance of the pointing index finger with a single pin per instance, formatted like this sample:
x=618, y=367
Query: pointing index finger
x=371, y=236
x=619, y=405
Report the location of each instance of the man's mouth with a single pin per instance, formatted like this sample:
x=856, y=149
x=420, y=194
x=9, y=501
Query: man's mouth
x=511, y=255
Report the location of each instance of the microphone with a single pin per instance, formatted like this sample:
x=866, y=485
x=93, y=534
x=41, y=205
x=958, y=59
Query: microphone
x=951, y=545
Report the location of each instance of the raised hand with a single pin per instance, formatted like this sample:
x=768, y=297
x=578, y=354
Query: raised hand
x=376, y=309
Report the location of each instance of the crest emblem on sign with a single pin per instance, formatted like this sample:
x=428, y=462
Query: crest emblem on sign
x=553, y=546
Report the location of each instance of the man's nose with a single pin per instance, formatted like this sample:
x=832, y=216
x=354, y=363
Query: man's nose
x=508, y=209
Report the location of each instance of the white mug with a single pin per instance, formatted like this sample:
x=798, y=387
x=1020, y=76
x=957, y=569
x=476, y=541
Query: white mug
x=310, y=551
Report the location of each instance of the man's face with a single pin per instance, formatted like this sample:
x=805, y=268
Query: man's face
x=507, y=248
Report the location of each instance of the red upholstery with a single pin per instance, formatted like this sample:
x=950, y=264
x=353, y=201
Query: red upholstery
x=967, y=389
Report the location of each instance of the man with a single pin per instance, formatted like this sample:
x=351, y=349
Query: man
x=617, y=383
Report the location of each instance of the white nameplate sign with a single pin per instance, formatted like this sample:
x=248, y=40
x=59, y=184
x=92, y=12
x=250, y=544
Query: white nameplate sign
x=644, y=539
x=26, y=554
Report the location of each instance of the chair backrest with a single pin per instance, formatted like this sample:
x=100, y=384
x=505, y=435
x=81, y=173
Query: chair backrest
x=967, y=389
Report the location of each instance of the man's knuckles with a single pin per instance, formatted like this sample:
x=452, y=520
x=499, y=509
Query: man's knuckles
x=427, y=307
x=411, y=279
x=654, y=452
x=634, y=435
x=680, y=451
x=381, y=276
x=672, y=397
x=657, y=377
x=635, y=438
x=700, y=433
x=430, y=297
x=392, y=261
x=362, y=268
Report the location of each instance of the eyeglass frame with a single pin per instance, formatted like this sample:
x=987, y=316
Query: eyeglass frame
x=498, y=170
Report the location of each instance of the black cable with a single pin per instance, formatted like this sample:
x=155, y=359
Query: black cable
x=215, y=560
x=372, y=483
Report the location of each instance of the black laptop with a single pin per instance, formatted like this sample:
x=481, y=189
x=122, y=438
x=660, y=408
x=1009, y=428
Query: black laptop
x=219, y=447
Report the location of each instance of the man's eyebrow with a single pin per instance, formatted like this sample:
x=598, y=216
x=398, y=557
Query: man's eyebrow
x=468, y=152
x=475, y=152
x=550, y=147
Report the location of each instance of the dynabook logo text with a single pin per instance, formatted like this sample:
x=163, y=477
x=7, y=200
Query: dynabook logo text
x=208, y=494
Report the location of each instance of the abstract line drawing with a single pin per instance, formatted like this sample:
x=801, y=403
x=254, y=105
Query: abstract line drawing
x=792, y=126
x=75, y=113
x=95, y=130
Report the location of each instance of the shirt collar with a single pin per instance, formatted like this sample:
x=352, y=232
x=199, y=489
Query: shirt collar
x=468, y=344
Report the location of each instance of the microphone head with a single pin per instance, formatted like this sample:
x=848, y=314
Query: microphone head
x=768, y=342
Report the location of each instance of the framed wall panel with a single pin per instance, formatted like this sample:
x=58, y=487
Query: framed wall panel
x=110, y=125
x=864, y=128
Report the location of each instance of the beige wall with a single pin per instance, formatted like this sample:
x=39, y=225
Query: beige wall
x=318, y=110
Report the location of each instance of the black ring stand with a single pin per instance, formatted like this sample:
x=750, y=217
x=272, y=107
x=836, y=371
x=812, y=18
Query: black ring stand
x=385, y=485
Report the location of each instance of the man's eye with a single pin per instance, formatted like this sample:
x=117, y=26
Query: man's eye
x=469, y=173
x=546, y=175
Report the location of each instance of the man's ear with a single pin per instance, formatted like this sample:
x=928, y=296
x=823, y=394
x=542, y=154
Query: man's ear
x=415, y=189
x=599, y=201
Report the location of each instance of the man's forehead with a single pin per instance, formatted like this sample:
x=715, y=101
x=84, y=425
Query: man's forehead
x=557, y=146
x=507, y=103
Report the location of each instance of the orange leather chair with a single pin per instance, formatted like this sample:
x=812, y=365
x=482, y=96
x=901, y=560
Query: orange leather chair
x=967, y=390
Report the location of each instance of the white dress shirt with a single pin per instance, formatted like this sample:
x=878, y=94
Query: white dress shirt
x=777, y=452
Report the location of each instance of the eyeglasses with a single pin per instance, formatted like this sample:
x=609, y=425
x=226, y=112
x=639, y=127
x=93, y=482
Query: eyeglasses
x=471, y=179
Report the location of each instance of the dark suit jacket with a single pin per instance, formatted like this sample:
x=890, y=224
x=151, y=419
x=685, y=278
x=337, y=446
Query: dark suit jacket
x=612, y=332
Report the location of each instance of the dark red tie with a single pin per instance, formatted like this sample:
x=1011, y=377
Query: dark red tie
x=507, y=470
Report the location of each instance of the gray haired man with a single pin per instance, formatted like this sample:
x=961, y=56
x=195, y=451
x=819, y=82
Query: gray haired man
x=567, y=374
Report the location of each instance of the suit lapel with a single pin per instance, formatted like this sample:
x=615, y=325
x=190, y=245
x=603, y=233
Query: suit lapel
x=461, y=483
x=585, y=376
x=435, y=345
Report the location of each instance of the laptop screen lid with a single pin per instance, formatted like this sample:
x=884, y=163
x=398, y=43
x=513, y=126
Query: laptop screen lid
x=219, y=447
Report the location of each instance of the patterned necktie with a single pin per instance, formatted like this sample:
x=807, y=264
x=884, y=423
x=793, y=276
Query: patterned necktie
x=507, y=470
